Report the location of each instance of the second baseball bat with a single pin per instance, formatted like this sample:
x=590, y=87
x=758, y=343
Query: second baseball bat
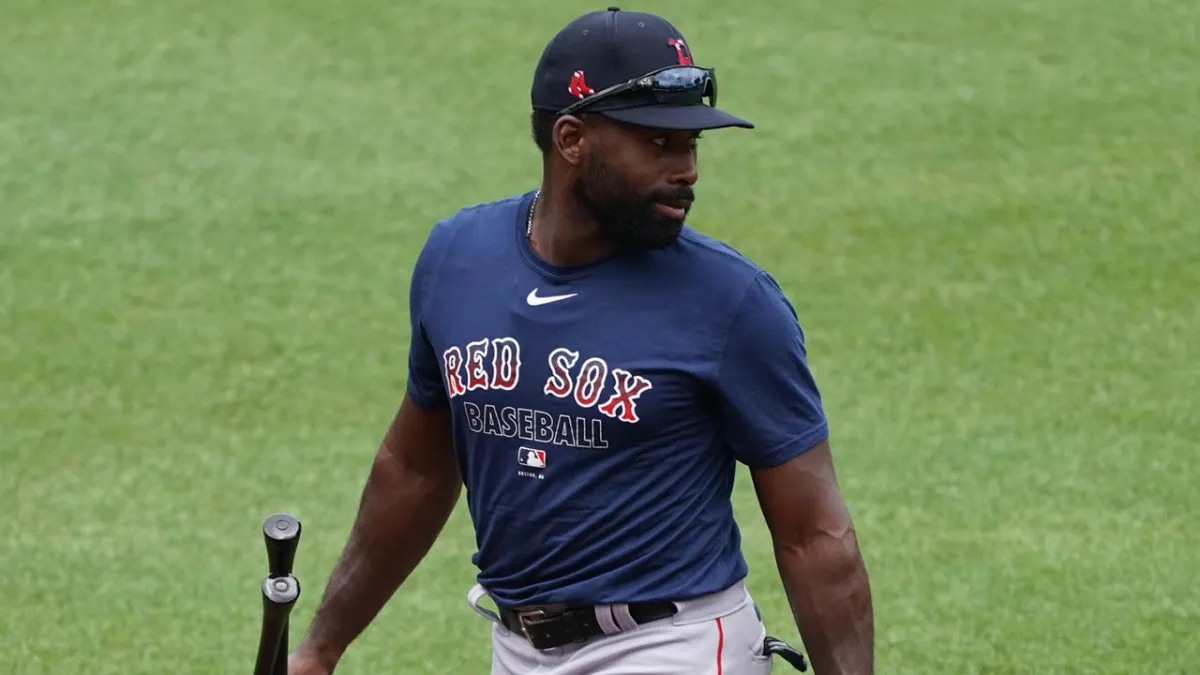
x=279, y=596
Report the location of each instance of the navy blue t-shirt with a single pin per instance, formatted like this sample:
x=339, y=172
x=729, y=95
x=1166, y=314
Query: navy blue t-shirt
x=599, y=410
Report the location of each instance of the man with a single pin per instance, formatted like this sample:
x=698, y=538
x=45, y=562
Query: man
x=592, y=370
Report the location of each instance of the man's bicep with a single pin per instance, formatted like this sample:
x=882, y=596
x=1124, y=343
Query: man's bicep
x=426, y=384
x=426, y=381
x=800, y=498
x=420, y=438
x=770, y=405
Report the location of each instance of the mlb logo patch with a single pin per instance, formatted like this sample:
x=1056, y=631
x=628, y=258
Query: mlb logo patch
x=532, y=458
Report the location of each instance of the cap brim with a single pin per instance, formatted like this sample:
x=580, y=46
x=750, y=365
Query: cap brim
x=677, y=117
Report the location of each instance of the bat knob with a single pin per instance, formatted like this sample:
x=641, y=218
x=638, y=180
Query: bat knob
x=281, y=590
x=282, y=535
x=281, y=527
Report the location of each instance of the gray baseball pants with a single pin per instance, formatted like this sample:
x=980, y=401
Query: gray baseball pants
x=717, y=634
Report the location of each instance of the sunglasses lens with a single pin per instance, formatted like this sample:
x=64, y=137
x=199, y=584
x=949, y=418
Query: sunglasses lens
x=686, y=85
x=680, y=79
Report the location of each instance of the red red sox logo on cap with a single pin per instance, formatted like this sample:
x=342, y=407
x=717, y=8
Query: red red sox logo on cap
x=579, y=87
x=681, y=49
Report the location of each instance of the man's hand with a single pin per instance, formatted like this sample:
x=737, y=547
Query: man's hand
x=819, y=562
x=307, y=664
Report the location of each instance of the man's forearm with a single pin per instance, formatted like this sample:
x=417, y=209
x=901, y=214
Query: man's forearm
x=400, y=515
x=827, y=585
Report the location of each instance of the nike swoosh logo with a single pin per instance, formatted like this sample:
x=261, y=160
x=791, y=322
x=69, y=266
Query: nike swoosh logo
x=534, y=299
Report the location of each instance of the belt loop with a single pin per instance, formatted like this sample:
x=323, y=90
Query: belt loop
x=474, y=596
x=604, y=617
x=623, y=617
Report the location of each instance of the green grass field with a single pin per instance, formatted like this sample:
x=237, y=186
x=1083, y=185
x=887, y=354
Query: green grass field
x=987, y=214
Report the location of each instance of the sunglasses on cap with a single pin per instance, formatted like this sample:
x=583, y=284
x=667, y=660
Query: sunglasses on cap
x=673, y=85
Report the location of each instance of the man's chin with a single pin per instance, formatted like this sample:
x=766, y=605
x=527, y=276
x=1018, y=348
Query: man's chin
x=660, y=235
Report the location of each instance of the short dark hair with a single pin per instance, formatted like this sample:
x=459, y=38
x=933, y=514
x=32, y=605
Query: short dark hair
x=542, y=126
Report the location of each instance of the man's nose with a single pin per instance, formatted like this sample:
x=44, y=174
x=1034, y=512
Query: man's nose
x=683, y=168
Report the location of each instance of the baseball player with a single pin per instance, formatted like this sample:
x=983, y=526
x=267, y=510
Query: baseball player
x=592, y=370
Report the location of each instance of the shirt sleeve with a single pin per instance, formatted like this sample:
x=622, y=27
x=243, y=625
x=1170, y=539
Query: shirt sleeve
x=770, y=407
x=426, y=386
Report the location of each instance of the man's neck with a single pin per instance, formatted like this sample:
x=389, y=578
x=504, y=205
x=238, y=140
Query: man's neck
x=564, y=234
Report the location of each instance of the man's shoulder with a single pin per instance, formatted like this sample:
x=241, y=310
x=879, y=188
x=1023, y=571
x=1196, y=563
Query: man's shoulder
x=716, y=261
x=471, y=231
x=474, y=226
x=488, y=214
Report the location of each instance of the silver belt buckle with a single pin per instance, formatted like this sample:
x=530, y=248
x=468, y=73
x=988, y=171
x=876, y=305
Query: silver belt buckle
x=523, y=616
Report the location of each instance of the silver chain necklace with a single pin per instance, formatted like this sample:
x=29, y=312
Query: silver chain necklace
x=529, y=222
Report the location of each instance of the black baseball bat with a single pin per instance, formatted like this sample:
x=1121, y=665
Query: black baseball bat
x=281, y=533
x=279, y=596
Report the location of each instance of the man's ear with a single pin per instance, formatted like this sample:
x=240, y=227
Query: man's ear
x=570, y=139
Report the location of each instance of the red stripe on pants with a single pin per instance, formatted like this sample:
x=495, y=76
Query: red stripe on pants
x=720, y=644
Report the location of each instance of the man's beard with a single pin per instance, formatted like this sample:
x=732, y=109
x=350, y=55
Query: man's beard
x=627, y=218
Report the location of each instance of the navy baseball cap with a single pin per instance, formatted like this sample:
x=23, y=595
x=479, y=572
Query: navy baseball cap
x=632, y=67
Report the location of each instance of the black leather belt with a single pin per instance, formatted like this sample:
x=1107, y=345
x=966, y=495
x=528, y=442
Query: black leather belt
x=547, y=628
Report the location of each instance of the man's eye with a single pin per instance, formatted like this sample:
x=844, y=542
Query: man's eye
x=661, y=141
